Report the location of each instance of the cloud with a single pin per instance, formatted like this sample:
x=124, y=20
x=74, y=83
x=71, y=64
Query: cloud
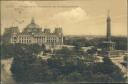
x=22, y=3
x=18, y=9
x=73, y=15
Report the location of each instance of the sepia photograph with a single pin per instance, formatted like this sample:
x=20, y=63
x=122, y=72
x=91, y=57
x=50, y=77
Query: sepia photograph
x=63, y=41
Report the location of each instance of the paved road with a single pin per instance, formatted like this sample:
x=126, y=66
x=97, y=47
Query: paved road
x=6, y=76
x=117, y=61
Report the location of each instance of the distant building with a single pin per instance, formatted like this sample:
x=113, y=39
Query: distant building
x=33, y=34
x=7, y=34
x=11, y=30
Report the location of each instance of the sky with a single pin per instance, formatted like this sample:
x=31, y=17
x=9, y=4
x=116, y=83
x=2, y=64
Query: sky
x=76, y=17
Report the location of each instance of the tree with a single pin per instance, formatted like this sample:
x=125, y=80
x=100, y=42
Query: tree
x=108, y=68
x=63, y=66
x=25, y=61
x=74, y=77
x=6, y=51
x=92, y=51
x=125, y=58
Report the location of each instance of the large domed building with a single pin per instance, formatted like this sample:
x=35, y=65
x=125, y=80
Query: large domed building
x=32, y=27
x=33, y=34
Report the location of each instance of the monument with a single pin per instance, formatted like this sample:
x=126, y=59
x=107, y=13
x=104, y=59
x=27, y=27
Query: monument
x=108, y=44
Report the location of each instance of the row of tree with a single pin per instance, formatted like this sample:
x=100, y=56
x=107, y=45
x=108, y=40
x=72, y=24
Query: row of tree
x=121, y=42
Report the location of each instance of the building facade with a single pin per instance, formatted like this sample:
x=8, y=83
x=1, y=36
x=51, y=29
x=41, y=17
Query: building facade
x=8, y=33
x=33, y=34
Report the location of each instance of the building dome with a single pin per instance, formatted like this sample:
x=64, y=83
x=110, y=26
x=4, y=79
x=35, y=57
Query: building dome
x=32, y=27
x=33, y=24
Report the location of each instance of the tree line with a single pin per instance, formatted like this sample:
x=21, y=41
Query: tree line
x=63, y=66
x=120, y=42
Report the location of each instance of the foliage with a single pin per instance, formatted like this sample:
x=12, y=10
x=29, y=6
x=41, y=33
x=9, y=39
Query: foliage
x=63, y=66
x=110, y=69
x=11, y=50
x=125, y=58
x=5, y=49
x=121, y=42
x=25, y=61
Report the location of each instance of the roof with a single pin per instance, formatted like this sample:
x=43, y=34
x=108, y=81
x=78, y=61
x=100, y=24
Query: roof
x=32, y=24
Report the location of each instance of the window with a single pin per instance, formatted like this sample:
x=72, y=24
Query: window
x=19, y=41
x=29, y=41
